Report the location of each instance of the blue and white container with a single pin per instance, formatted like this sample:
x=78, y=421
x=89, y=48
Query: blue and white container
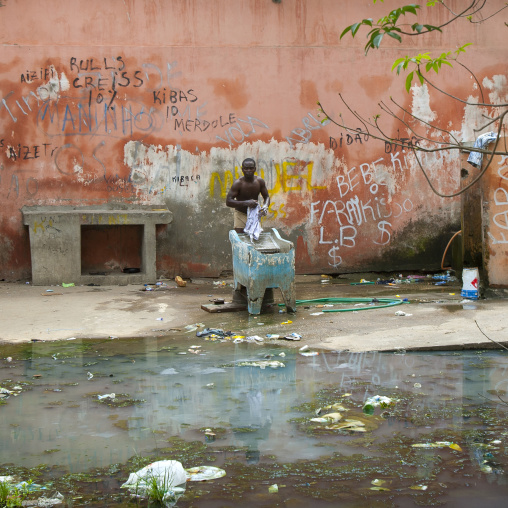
x=470, y=283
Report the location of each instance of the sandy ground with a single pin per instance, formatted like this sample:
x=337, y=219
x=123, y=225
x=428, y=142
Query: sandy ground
x=437, y=317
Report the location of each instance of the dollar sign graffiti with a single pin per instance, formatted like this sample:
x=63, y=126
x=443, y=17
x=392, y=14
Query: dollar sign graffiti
x=334, y=254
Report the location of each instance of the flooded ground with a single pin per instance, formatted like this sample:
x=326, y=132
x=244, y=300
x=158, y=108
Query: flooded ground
x=83, y=414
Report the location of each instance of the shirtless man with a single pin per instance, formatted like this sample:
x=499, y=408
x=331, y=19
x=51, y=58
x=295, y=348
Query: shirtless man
x=244, y=194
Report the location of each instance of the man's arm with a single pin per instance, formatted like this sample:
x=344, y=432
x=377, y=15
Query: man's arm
x=266, y=198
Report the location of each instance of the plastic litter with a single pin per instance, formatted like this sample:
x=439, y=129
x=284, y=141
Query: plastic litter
x=350, y=425
x=470, y=283
x=293, y=336
x=262, y=364
x=328, y=418
x=402, y=313
x=45, y=502
x=309, y=353
x=107, y=396
x=272, y=336
x=273, y=489
x=180, y=282
x=377, y=401
x=254, y=338
x=194, y=327
x=217, y=332
x=438, y=444
x=209, y=436
x=167, y=476
x=204, y=473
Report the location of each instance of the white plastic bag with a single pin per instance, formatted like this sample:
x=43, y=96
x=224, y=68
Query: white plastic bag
x=164, y=476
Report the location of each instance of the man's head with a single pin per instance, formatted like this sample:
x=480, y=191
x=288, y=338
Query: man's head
x=249, y=167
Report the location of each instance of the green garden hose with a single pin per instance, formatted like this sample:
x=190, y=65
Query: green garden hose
x=387, y=302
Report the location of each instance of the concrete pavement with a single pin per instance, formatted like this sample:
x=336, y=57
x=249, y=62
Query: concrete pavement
x=436, y=317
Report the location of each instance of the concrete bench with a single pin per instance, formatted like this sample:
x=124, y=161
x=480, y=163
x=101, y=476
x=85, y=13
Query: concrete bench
x=55, y=242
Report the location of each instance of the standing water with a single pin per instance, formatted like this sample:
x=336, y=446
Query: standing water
x=290, y=428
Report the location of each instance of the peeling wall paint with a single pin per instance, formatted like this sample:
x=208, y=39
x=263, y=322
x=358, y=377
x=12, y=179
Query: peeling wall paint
x=161, y=111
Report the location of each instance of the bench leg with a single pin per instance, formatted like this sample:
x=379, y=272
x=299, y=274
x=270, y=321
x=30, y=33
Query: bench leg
x=288, y=294
x=255, y=294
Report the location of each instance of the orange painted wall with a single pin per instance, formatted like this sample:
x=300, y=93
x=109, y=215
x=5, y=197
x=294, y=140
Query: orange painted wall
x=158, y=102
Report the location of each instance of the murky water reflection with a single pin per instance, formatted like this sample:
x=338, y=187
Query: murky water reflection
x=160, y=392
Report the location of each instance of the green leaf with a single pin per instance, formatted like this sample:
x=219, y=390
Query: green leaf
x=399, y=63
x=410, y=8
x=354, y=28
x=395, y=36
x=409, y=80
x=377, y=40
x=417, y=27
x=345, y=31
x=461, y=49
x=420, y=77
x=431, y=28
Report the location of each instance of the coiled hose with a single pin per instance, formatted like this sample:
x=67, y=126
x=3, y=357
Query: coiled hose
x=386, y=302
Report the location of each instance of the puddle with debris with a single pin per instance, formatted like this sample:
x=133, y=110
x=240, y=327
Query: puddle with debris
x=82, y=415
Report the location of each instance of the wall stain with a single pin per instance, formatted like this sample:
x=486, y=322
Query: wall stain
x=233, y=90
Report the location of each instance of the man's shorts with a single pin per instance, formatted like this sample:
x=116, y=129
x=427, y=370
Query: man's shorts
x=240, y=219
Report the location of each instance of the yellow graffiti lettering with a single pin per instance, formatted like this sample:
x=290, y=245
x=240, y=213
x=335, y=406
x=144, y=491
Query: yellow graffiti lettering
x=288, y=177
x=224, y=185
x=117, y=219
x=278, y=179
x=273, y=210
x=307, y=176
x=38, y=225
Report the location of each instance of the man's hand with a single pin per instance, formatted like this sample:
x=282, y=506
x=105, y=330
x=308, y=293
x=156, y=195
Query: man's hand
x=251, y=203
x=263, y=211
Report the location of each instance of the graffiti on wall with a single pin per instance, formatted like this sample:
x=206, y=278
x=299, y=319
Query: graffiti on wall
x=365, y=200
x=89, y=105
x=498, y=227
